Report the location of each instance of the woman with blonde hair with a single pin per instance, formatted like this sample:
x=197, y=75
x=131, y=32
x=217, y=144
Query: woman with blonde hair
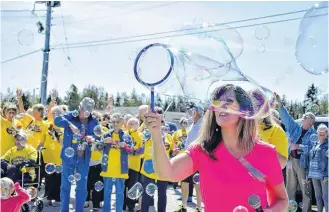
x=233, y=164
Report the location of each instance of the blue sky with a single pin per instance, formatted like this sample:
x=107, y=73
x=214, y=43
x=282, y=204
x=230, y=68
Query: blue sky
x=109, y=65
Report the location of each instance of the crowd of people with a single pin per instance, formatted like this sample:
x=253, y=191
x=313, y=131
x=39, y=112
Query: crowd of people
x=225, y=157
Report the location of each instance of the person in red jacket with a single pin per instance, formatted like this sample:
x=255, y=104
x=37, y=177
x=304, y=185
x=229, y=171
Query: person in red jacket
x=11, y=202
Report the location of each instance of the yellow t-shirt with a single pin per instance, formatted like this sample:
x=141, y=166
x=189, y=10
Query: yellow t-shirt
x=114, y=162
x=15, y=156
x=276, y=136
x=36, y=130
x=148, y=155
x=141, y=127
x=135, y=160
x=7, y=140
x=178, y=137
x=97, y=155
x=52, y=153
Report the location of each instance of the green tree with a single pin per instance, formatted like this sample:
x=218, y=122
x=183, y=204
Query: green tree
x=125, y=99
x=118, y=100
x=311, y=97
x=92, y=92
x=133, y=98
x=324, y=104
x=72, y=97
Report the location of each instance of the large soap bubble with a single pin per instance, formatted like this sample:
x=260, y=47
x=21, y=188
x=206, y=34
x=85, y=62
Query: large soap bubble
x=312, y=42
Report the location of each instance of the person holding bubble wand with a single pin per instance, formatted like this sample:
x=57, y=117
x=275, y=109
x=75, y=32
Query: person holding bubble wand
x=226, y=143
x=76, y=156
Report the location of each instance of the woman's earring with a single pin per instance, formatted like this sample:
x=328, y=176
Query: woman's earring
x=216, y=129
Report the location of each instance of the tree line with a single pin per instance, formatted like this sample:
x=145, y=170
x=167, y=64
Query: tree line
x=314, y=100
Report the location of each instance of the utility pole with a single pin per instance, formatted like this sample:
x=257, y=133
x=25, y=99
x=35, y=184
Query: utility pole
x=46, y=51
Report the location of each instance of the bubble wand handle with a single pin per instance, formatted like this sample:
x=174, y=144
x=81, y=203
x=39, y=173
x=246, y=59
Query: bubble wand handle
x=152, y=99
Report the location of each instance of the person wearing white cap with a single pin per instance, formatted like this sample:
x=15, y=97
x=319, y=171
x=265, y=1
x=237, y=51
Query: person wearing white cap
x=76, y=151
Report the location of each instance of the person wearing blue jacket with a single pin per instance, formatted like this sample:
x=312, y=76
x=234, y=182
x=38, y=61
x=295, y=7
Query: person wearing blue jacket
x=300, y=146
x=76, y=151
x=318, y=170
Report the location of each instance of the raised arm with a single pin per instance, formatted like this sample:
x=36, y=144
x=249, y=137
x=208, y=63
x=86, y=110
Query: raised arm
x=286, y=119
x=172, y=170
x=19, y=95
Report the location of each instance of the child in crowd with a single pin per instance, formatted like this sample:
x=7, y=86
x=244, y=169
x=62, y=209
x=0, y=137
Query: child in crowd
x=115, y=162
x=10, y=202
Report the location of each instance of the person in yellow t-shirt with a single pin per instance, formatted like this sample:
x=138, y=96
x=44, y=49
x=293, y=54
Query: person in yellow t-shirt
x=7, y=139
x=52, y=154
x=272, y=133
x=133, y=160
x=179, y=137
x=37, y=126
x=125, y=122
x=13, y=162
x=115, y=162
x=149, y=175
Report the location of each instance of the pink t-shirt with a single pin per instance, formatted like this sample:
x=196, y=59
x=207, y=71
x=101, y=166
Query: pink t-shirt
x=226, y=184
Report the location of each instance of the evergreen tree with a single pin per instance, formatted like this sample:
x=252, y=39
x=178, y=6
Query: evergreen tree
x=311, y=97
x=73, y=97
x=118, y=100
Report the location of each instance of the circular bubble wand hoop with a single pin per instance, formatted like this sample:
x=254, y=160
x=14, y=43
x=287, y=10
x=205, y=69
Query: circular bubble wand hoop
x=151, y=85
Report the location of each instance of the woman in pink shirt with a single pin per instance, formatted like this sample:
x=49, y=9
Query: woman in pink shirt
x=224, y=139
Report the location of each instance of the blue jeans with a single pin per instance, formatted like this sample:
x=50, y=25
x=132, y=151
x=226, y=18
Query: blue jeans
x=81, y=186
x=148, y=201
x=321, y=194
x=119, y=191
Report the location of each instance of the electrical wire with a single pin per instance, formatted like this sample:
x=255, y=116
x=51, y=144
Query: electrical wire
x=20, y=56
x=162, y=37
x=188, y=29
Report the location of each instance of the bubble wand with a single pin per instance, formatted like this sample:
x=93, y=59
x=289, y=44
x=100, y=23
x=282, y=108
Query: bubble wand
x=152, y=84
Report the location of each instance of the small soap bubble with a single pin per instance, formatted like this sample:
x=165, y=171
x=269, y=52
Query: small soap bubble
x=262, y=32
x=261, y=48
x=136, y=191
x=104, y=159
x=293, y=206
x=71, y=178
x=99, y=186
x=77, y=176
x=32, y=191
x=240, y=208
x=69, y=152
x=58, y=169
x=151, y=189
x=196, y=178
x=314, y=138
x=50, y=168
x=75, y=113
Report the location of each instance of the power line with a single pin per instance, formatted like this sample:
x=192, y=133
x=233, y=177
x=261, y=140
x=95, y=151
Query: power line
x=188, y=29
x=137, y=40
x=63, y=23
x=216, y=30
x=13, y=11
x=20, y=56
x=129, y=12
